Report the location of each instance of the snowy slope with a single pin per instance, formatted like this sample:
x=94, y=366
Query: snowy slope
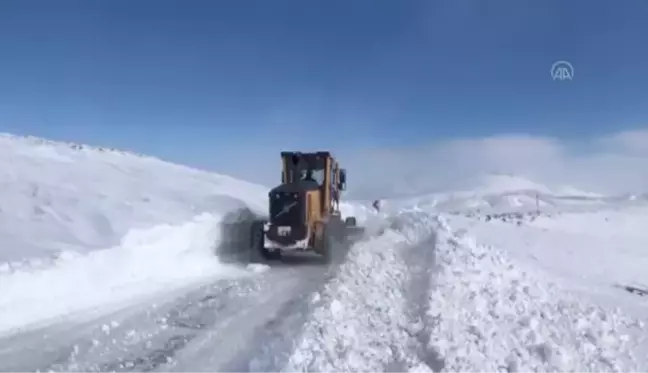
x=61, y=197
x=591, y=252
x=424, y=290
x=555, y=285
x=83, y=227
x=516, y=291
x=491, y=312
x=426, y=296
x=506, y=193
x=495, y=183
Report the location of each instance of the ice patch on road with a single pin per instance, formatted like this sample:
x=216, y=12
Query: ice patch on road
x=149, y=261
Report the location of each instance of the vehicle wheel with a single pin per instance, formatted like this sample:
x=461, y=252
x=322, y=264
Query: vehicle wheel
x=259, y=253
x=335, y=229
x=256, y=242
x=326, y=249
x=271, y=255
x=323, y=244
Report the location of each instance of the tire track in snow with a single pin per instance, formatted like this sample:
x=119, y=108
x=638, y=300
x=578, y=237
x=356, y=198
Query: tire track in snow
x=150, y=336
x=232, y=325
x=365, y=307
x=59, y=346
x=186, y=321
x=272, y=342
x=421, y=261
x=257, y=333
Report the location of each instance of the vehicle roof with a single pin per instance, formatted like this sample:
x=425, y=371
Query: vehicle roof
x=307, y=154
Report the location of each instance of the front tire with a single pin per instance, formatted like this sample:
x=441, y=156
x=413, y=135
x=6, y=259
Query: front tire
x=258, y=252
x=322, y=245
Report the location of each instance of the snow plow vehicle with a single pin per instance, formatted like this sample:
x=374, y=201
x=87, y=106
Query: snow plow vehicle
x=304, y=210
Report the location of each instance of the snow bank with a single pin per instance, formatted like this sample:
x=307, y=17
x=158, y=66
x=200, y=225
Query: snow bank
x=152, y=261
x=593, y=253
x=57, y=197
x=366, y=216
x=487, y=314
x=361, y=320
x=82, y=227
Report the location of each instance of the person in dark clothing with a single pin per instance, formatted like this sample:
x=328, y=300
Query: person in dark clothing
x=309, y=175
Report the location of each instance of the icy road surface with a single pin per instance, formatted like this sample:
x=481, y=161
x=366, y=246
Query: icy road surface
x=294, y=316
x=224, y=326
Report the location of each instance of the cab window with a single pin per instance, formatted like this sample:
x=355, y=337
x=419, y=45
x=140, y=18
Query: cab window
x=317, y=175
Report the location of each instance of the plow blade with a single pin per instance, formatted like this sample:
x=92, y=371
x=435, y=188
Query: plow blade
x=355, y=231
x=354, y=234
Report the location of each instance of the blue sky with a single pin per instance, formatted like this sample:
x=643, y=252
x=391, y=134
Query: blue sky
x=218, y=84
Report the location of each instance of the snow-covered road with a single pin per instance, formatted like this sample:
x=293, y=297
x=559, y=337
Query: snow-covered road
x=420, y=295
x=219, y=326
x=101, y=269
x=293, y=316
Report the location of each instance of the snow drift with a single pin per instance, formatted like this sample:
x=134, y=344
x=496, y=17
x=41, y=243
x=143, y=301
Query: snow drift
x=526, y=286
x=365, y=318
x=57, y=197
x=147, y=262
x=83, y=227
x=425, y=296
x=594, y=253
x=513, y=291
x=489, y=314
x=424, y=290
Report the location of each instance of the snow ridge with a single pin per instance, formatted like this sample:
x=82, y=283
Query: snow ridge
x=35, y=140
x=147, y=262
x=490, y=315
x=54, y=199
x=361, y=321
x=83, y=227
